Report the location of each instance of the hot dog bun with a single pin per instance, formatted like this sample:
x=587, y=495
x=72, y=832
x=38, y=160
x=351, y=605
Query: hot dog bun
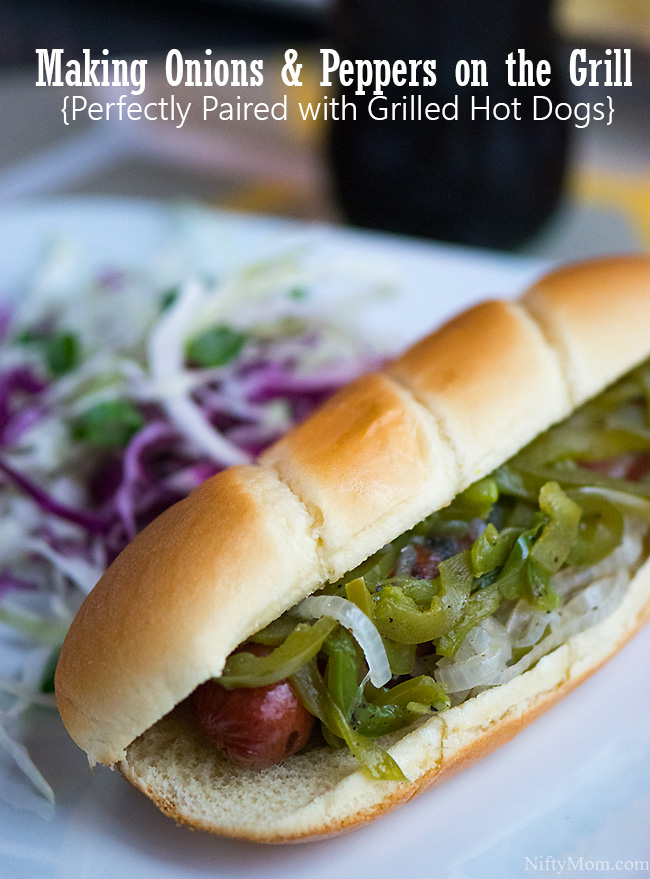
x=252, y=541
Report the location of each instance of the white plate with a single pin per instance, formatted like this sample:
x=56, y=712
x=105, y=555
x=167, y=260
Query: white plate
x=575, y=785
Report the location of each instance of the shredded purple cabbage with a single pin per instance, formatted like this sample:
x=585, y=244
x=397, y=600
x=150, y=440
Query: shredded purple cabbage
x=137, y=475
x=9, y=581
x=91, y=522
x=127, y=488
x=18, y=410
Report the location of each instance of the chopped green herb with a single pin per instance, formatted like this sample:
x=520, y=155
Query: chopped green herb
x=216, y=346
x=28, y=336
x=168, y=298
x=110, y=424
x=62, y=352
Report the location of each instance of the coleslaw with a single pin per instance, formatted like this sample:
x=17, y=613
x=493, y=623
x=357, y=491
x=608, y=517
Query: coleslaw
x=119, y=394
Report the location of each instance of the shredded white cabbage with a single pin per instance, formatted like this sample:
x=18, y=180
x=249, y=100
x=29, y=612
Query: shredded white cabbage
x=24, y=762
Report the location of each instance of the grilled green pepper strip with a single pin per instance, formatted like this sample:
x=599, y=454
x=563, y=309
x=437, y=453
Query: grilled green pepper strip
x=475, y=502
x=398, y=616
x=512, y=482
x=626, y=504
x=373, y=721
x=388, y=709
x=522, y=516
x=577, y=440
x=342, y=667
x=581, y=477
x=401, y=657
x=276, y=632
x=375, y=568
x=246, y=670
x=600, y=531
x=491, y=549
x=480, y=605
x=421, y=689
x=626, y=390
x=357, y=592
x=559, y=534
x=541, y=551
x=538, y=587
x=315, y=697
x=627, y=436
x=511, y=575
x=643, y=376
x=549, y=551
x=421, y=591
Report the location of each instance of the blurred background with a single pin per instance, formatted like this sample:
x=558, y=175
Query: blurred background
x=589, y=193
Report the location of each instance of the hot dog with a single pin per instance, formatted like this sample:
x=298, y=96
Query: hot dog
x=254, y=727
x=416, y=496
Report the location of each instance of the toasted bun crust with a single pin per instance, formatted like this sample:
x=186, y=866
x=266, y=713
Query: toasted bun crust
x=252, y=541
x=476, y=374
x=368, y=464
x=596, y=316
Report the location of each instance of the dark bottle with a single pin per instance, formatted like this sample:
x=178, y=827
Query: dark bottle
x=484, y=182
